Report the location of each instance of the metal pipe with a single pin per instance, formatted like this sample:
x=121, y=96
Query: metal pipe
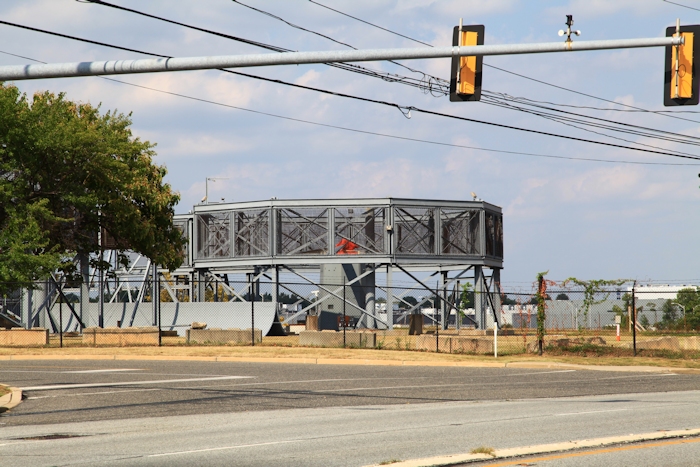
x=155, y=65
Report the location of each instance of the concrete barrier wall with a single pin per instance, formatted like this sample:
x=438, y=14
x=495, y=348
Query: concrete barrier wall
x=356, y=339
x=175, y=316
x=20, y=337
x=222, y=336
x=454, y=344
x=120, y=337
x=670, y=343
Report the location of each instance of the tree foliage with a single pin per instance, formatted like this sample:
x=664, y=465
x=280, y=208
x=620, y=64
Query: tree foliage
x=593, y=288
x=67, y=170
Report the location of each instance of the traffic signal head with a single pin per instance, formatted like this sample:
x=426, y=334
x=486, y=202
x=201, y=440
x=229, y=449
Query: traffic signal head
x=680, y=77
x=465, y=81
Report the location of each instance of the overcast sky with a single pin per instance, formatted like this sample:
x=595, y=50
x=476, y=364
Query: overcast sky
x=592, y=220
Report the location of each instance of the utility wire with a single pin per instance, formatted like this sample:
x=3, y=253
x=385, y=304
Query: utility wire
x=434, y=86
x=373, y=133
x=245, y=74
x=403, y=109
x=301, y=28
x=498, y=96
x=426, y=87
x=371, y=24
x=498, y=99
x=558, y=114
x=525, y=100
x=574, y=125
x=638, y=109
x=684, y=6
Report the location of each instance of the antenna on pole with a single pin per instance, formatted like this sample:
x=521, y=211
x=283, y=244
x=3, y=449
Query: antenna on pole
x=569, y=31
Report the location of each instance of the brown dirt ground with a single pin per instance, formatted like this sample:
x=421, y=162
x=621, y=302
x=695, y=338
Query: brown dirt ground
x=282, y=353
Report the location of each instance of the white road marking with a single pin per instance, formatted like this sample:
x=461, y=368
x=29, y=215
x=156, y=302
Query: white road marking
x=94, y=393
x=542, y=373
x=177, y=453
x=589, y=412
x=104, y=371
x=127, y=383
x=391, y=387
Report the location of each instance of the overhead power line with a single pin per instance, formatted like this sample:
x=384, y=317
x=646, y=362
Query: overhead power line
x=301, y=28
x=639, y=109
x=681, y=5
x=404, y=109
x=371, y=24
x=373, y=133
x=503, y=101
x=424, y=84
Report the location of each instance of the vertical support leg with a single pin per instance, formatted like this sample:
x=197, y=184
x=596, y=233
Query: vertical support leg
x=154, y=294
x=40, y=299
x=368, y=283
x=276, y=288
x=201, y=286
x=479, y=297
x=101, y=294
x=84, y=288
x=26, y=313
x=458, y=317
x=496, y=297
x=444, y=308
x=389, y=298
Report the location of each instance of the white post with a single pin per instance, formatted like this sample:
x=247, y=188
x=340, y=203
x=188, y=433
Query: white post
x=495, y=341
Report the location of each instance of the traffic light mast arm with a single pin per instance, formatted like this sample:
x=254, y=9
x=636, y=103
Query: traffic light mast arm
x=120, y=67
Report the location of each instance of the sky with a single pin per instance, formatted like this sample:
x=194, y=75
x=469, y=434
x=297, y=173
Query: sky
x=607, y=219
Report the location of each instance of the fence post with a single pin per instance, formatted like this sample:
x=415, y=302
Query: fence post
x=60, y=321
x=252, y=317
x=495, y=341
x=344, y=323
x=541, y=295
x=160, y=331
x=436, y=303
x=634, y=321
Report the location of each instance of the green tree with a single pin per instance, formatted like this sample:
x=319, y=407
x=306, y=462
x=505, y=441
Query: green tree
x=669, y=314
x=689, y=299
x=644, y=321
x=466, y=298
x=67, y=171
x=593, y=289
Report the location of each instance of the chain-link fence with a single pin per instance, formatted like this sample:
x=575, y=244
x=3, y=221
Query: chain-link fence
x=170, y=312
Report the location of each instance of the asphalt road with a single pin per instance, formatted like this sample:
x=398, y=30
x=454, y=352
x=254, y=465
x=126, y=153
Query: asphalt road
x=188, y=413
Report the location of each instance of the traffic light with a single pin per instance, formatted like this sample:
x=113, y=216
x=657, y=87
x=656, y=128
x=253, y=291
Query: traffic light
x=680, y=77
x=465, y=81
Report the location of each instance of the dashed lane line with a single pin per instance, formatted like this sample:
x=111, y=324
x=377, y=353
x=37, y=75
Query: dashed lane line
x=128, y=383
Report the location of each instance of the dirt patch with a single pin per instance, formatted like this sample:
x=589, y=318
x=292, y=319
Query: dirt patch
x=586, y=355
x=592, y=350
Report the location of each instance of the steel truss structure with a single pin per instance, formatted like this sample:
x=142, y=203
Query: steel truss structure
x=453, y=241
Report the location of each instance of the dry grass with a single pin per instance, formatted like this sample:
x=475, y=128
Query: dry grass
x=282, y=353
x=484, y=450
x=4, y=390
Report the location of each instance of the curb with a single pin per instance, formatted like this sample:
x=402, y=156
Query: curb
x=544, y=449
x=11, y=400
x=367, y=362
